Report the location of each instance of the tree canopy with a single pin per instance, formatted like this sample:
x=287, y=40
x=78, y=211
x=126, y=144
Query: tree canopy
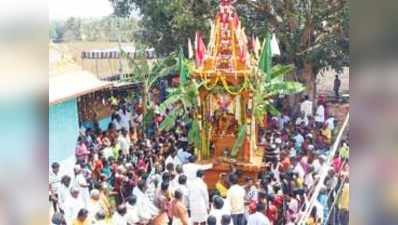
x=313, y=32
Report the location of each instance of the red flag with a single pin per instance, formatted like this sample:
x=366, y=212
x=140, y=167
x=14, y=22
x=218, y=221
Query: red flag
x=200, y=49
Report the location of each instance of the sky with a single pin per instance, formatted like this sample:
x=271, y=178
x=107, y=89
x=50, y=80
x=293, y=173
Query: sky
x=63, y=9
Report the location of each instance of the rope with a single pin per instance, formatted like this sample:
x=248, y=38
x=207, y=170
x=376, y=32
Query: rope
x=323, y=174
x=335, y=200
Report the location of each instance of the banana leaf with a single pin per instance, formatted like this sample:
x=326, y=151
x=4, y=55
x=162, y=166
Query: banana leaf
x=281, y=70
x=169, y=121
x=148, y=117
x=239, y=141
x=171, y=99
x=194, y=134
x=284, y=88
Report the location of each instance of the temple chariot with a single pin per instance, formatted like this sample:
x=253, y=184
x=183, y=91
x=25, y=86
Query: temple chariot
x=228, y=129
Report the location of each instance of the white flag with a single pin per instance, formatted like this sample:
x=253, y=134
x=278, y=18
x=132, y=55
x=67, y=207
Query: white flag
x=190, y=50
x=274, y=46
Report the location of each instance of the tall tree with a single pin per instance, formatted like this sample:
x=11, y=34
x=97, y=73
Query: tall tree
x=313, y=34
x=169, y=23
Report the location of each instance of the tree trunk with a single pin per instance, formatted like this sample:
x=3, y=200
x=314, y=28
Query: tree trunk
x=310, y=82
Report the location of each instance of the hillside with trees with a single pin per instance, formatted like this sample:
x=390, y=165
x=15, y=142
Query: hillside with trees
x=110, y=29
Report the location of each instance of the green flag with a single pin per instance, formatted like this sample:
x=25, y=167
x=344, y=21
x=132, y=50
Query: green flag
x=181, y=68
x=265, y=62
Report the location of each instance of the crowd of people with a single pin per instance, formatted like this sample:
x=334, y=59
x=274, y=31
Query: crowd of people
x=123, y=176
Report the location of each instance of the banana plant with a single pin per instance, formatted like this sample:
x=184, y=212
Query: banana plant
x=181, y=102
x=271, y=85
x=146, y=73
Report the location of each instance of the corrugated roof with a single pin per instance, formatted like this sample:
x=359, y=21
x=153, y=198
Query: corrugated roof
x=73, y=84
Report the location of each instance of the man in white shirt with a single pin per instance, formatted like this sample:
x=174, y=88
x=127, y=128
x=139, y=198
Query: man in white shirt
x=258, y=218
x=302, y=120
x=119, y=217
x=182, y=157
x=54, y=180
x=318, y=162
x=116, y=122
x=306, y=107
x=190, y=169
x=330, y=122
x=147, y=209
x=198, y=196
x=183, y=188
x=94, y=205
x=170, y=158
x=82, y=184
x=64, y=191
x=72, y=205
x=235, y=198
x=299, y=170
x=124, y=142
x=132, y=215
x=283, y=120
x=124, y=118
x=298, y=139
x=320, y=115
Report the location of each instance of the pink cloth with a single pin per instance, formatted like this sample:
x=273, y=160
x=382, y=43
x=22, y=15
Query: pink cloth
x=336, y=164
x=81, y=151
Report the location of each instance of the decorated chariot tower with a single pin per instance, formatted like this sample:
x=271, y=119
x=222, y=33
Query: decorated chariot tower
x=228, y=129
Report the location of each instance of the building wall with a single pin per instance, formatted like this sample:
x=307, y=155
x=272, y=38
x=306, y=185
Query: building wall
x=63, y=130
x=103, y=123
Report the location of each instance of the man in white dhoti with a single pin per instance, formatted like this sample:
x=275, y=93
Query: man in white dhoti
x=190, y=169
x=147, y=209
x=82, y=184
x=132, y=216
x=64, y=191
x=119, y=217
x=198, y=199
x=72, y=205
